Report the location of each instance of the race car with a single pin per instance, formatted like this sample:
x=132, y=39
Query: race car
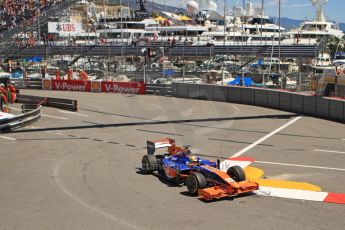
x=202, y=177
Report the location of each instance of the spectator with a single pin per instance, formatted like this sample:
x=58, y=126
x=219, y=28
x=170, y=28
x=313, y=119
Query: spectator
x=69, y=73
x=16, y=12
x=57, y=74
x=173, y=42
x=43, y=71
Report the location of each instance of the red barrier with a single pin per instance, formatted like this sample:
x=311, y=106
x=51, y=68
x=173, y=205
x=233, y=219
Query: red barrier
x=71, y=85
x=95, y=86
x=123, y=87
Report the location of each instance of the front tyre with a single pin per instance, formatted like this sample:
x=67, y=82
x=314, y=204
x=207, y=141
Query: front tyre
x=236, y=173
x=195, y=181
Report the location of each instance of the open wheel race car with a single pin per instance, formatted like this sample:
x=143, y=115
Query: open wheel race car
x=202, y=177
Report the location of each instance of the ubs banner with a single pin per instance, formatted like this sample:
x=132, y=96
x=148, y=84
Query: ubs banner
x=95, y=86
x=71, y=28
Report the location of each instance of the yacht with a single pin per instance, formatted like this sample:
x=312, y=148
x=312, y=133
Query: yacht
x=247, y=26
x=128, y=31
x=339, y=59
x=312, y=32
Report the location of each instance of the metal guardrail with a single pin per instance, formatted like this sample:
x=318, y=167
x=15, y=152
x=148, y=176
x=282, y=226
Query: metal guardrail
x=327, y=108
x=286, y=51
x=159, y=89
x=30, y=116
x=71, y=105
x=28, y=83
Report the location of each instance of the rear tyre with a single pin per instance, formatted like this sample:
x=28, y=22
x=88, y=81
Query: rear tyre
x=236, y=173
x=149, y=164
x=177, y=178
x=160, y=166
x=195, y=181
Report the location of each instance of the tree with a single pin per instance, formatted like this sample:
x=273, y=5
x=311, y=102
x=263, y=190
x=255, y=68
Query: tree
x=335, y=44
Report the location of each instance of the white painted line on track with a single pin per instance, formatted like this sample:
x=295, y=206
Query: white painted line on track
x=8, y=138
x=73, y=113
x=297, y=165
x=328, y=151
x=249, y=147
x=45, y=115
x=61, y=118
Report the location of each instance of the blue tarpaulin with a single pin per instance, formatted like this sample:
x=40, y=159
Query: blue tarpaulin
x=257, y=64
x=168, y=72
x=247, y=81
x=17, y=74
x=260, y=61
x=33, y=59
x=237, y=81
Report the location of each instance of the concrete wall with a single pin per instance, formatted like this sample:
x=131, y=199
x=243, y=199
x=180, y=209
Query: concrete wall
x=336, y=109
x=220, y=93
x=234, y=94
x=194, y=91
x=285, y=101
x=297, y=103
x=261, y=97
x=248, y=96
x=309, y=105
x=332, y=109
x=206, y=92
x=273, y=99
x=322, y=107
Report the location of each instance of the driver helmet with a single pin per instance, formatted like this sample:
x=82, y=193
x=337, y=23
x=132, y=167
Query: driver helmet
x=187, y=152
x=193, y=159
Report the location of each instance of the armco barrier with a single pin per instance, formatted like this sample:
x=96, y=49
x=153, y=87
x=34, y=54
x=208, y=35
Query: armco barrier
x=159, y=89
x=28, y=83
x=66, y=104
x=21, y=120
x=328, y=108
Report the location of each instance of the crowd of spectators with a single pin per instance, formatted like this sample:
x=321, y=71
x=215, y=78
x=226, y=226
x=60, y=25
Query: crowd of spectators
x=14, y=13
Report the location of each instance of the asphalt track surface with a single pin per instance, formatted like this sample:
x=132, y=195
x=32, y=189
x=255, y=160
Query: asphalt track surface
x=80, y=170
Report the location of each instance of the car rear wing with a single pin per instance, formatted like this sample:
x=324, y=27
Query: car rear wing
x=158, y=144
